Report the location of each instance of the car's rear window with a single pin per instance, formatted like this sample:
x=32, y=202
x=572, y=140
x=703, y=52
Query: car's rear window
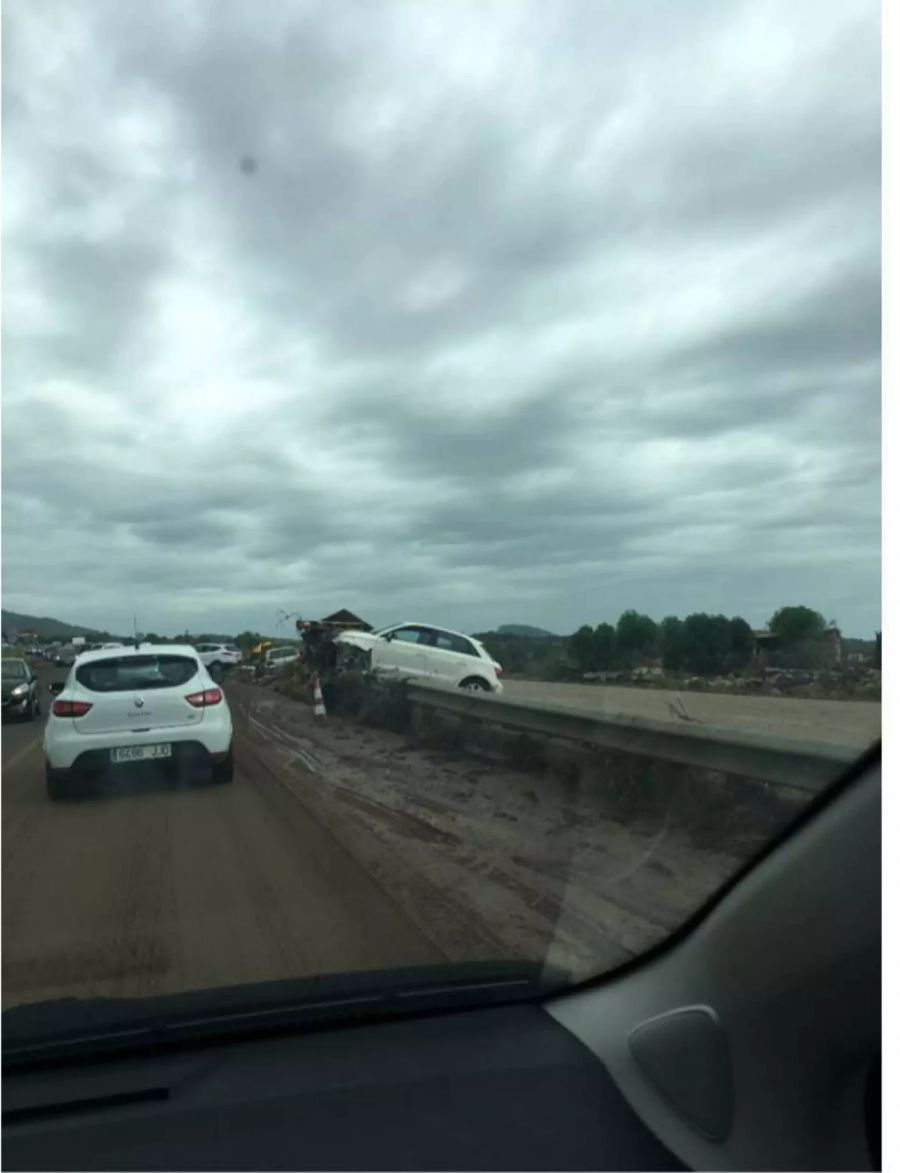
x=124, y=673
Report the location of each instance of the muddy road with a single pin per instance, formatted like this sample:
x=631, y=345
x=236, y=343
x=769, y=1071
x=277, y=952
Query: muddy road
x=337, y=847
x=162, y=890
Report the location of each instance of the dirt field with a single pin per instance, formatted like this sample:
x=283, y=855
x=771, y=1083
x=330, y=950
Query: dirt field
x=849, y=722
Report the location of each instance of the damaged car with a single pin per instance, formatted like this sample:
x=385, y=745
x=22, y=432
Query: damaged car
x=434, y=653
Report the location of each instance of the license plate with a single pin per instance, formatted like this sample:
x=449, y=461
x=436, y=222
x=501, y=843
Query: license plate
x=141, y=753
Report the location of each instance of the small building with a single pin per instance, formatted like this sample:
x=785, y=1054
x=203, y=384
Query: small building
x=765, y=642
x=347, y=620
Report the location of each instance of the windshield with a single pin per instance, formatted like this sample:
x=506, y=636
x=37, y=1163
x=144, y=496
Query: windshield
x=553, y=328
x=128, y=673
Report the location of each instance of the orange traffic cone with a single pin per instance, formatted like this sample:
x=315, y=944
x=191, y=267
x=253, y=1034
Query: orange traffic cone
x=318, y=700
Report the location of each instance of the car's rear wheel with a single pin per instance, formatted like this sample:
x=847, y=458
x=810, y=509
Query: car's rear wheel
x=224, y=771
x=475, y=684
x=57, y=787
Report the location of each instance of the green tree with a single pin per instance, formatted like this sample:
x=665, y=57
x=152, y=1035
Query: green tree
x=742, y=642
x=247, y=640
x=637, y=638
x=604, y=646
x=581, y=648
x=671, y=639
x=797, y=625
x=707, y=643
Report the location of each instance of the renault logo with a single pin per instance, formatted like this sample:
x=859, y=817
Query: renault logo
x=138, y=702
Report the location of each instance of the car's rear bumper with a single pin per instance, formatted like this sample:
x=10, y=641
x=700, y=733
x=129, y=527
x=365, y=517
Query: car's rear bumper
x=188, y=758
x=65, y=747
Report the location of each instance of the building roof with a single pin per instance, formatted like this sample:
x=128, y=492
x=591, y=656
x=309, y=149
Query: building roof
x=346, y=619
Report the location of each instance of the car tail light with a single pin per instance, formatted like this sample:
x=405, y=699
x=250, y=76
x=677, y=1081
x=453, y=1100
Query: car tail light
x=71, y=708
x=209, y=696
x=498, y=668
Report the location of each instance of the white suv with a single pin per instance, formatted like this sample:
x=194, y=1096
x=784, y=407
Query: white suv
x=123, y=706
x=415, y=649
x=220, y=655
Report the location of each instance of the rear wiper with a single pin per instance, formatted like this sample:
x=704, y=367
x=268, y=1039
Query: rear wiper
x=42, y=1032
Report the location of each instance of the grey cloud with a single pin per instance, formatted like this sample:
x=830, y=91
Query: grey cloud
x=563, y=314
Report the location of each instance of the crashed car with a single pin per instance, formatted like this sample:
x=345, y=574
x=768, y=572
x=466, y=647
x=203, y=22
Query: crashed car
x=434, y=653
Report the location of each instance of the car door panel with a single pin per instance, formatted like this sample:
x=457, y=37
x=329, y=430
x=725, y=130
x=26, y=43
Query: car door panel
x=403, y=656
x=451, y=664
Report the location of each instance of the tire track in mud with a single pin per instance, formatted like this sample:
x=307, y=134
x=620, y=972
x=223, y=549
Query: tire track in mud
x=534, y=862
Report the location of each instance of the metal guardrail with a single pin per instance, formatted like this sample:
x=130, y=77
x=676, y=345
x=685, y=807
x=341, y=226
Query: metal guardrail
x=803, y=765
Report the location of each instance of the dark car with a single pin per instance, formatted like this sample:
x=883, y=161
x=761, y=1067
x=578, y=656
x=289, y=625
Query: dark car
x=20, y=690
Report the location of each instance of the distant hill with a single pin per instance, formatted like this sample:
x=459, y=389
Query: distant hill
x=524, y=629
x=46, y=628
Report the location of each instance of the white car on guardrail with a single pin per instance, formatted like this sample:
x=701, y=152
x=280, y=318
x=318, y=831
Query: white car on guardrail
x=123, y=706
x=433, y=653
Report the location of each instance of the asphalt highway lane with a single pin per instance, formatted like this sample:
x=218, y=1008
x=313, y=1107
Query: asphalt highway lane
x=160, y=889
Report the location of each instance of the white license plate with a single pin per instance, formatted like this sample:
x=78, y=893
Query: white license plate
x=141, y=753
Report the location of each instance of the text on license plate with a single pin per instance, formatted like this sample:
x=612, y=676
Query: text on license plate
x=141, y=753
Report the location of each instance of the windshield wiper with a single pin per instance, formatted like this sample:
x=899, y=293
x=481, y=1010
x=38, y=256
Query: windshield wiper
x=42, y=1032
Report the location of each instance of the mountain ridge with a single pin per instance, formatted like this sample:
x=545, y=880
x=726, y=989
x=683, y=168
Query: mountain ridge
x=45, y=626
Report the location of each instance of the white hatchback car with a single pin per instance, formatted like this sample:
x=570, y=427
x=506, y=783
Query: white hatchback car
x=219, y=655
x=416, y=649
x=122, y=706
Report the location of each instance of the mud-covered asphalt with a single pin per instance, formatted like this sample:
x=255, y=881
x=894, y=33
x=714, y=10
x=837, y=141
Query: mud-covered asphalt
x=159, y=890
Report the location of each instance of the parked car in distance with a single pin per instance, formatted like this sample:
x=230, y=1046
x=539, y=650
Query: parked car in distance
x=418, y=649
x=20, y=690
x=88, y=648
x=120, y=707
x=219, y=655
x=278, y=657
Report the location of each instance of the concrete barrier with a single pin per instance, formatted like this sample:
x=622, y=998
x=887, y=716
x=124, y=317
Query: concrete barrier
x=800, y=764
x=722, y=789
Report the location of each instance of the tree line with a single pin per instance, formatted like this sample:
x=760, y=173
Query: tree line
x=702, y=644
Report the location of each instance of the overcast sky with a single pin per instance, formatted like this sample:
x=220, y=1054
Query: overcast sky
x=469, y=313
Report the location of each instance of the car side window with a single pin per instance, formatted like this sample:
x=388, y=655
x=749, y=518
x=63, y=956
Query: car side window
x=411, y=635
x=447, y=641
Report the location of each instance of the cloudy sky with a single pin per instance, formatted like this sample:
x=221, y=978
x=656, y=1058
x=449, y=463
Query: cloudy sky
x=467, y=312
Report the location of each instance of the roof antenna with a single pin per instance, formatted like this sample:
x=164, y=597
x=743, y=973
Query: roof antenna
x=137, y=642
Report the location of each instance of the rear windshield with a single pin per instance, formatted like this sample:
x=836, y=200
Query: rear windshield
x=124, y=673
